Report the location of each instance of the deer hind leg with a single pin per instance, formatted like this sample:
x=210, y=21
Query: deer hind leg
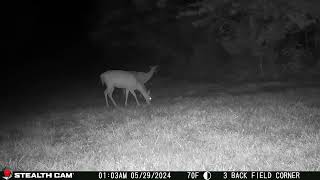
x=110, y=91
x=127, y=93
x=106, y=97
x=135, y=96
x=124, y=91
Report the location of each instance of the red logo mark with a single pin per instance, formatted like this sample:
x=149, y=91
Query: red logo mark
x=7, y=173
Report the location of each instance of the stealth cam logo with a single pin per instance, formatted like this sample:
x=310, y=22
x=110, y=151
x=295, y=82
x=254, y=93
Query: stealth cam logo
x=6, y=173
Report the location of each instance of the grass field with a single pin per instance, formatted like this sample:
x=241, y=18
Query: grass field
x=188, y=126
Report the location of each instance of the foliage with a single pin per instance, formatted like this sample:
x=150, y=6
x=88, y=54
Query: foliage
x=268, y=21
x=177, y=31
x=253, y=25
x=295, y=64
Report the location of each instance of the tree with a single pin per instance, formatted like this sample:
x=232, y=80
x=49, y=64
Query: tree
x=254, y=25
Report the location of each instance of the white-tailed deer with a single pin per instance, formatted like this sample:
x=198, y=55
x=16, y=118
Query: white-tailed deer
x=122, y=79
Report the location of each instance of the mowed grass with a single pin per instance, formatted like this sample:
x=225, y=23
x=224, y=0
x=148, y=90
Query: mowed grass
x=193, y=127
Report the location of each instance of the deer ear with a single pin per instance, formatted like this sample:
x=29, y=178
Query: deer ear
x=155, y=68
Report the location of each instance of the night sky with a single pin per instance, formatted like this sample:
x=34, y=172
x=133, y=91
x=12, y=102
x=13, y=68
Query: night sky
x=53, y=39
x=45, y=30
x=48, y=47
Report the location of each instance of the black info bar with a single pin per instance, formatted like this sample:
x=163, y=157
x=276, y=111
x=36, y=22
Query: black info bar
x=192, y=175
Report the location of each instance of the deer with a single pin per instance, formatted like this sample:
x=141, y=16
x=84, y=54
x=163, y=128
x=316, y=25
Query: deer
x=125, y=80
x=144, y=77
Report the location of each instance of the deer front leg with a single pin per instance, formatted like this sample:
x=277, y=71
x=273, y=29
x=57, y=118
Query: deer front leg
x=127, y=93
x=135, y=96
x=106, y=97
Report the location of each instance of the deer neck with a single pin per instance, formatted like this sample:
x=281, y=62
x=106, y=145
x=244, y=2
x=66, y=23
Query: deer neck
x=149, y=75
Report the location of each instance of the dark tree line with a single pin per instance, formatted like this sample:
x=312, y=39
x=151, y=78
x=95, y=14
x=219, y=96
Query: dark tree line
x=212, y=39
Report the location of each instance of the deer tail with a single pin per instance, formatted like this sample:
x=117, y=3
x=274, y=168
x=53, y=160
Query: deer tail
x=101, y=78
